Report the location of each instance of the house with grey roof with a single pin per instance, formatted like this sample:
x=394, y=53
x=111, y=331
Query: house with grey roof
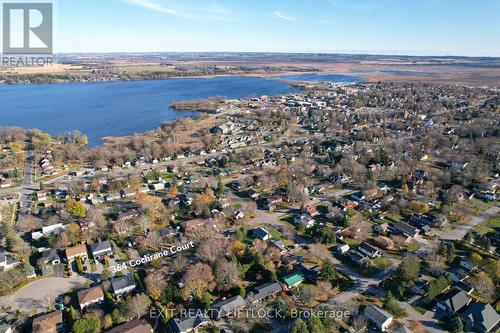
x=405, y=229
x=224, y=308
x=188, y=323
x=457, y=274
x=453, y=301
x=263, y=291
x=380, y=318
x=369, y=250
x=123, y=284
x=50, y=256
x=133, y=326
x=481, y=317
x=7, y=261
x=278, y=244
x=101, y=249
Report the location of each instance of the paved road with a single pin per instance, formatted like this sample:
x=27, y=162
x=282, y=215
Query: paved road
x=462, y=229
x=459, y=232
x=36, y=296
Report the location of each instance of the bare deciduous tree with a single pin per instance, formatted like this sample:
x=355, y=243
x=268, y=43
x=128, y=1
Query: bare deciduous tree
x=226, y=274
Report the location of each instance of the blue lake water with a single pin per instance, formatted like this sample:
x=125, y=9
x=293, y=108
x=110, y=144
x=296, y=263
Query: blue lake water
x=313, y=77
x=117, y=108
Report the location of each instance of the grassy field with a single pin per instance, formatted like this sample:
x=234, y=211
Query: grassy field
x=382, y=263
x=147, y=68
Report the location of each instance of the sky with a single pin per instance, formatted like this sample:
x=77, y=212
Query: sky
x=412, y=27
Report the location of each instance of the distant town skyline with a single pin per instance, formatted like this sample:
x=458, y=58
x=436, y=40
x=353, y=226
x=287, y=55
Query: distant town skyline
x=424, y=27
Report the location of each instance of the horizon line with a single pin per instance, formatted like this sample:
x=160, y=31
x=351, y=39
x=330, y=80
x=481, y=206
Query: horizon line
x=353, y=53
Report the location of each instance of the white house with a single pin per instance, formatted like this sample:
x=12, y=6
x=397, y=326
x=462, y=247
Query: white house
x=343, y=249
x=378, y=317
x=7, y=262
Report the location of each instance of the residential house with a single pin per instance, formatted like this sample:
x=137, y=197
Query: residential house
x=358, y=258
x=7, y=261
x=252, y=194
x=123, y=284
x=261, y=234
x=191, y=225
x=47, y=230
x=226, y=307
x=42, y=195
x=263, y=292
x=271, y=202
x=457, y=274
x=405, y=229
x=48, y=323
x=157, y=186
x=420, y=287
x=189, y=323
x=481, y=317
x=101, y=249
x=293, y=280
x=73, y=252
x=90, y=296
x=380, y=318
x=50, y=256
x=279, y=245
x=342, y=249
x=312, y=210
x=4, y=183
x=239, y=214
x=369, y=250
x=167, y=232
x=223, y=129
x=468, y=265
x=4, y=328
x=381, y=229
x=305, y=220
x=134, y=326
x=453, y=301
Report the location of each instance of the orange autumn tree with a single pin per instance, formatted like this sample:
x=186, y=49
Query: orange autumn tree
x=151, y=206
x=197, y=280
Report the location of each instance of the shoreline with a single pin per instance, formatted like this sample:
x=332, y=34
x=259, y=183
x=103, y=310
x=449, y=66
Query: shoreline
x=208, y=76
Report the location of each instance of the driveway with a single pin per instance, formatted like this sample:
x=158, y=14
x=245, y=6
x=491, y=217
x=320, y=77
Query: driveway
x=428, y=319
x=38, y=295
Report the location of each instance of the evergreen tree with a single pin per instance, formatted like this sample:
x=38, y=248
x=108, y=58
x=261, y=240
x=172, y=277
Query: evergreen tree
x=300, y=327
x=220, y=187
x=451, y=252
x=315, y=325
x=328, y=272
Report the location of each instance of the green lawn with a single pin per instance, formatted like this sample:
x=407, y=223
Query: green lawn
x=495, y=222
x=275, y=234
x=382, y=263
x=351, y=241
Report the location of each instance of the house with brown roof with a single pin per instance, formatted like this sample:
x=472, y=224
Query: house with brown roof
x=312, y=210
x=192, y=224
x=76, y=251
x=134, y=326
x=48, y=323
x=90, y=296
